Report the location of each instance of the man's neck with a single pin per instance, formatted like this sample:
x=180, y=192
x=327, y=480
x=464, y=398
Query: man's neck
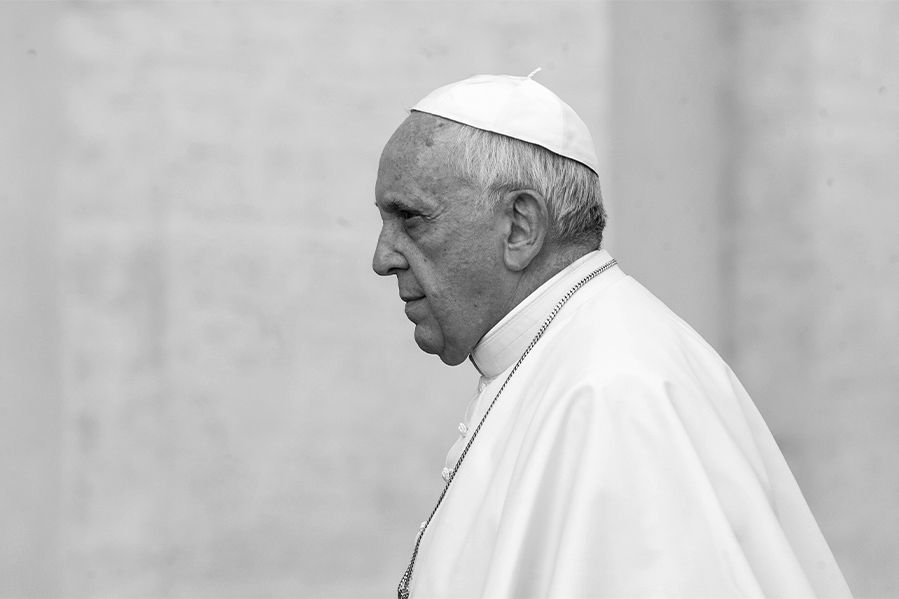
x=550, y=262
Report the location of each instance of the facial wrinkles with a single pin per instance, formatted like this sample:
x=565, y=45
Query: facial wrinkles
x=448, y=252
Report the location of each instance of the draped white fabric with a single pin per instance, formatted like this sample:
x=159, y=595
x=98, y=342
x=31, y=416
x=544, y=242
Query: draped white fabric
x=623, y=460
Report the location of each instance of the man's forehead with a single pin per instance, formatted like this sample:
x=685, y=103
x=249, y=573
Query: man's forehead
x=421, y=128
x=417, y=170
x=422, y=140
x=417, y=148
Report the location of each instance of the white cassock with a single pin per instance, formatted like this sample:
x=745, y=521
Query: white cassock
x=623, y=460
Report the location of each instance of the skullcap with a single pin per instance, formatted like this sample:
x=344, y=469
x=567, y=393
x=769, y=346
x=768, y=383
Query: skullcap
x=516, y=107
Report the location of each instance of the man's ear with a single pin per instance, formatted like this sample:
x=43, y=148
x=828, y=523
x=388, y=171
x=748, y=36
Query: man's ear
x=528, y=227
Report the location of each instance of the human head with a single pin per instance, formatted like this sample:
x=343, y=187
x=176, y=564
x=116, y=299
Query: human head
x=473, y=221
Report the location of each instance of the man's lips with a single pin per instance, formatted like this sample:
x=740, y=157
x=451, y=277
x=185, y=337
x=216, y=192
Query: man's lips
x=412, y=306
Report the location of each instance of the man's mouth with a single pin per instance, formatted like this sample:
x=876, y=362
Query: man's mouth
x=413, y=309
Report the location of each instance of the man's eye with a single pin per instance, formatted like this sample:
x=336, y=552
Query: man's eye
x=407, y=216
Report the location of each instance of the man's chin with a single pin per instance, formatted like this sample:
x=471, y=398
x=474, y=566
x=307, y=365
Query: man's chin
x=452, y=360
x=431, y=346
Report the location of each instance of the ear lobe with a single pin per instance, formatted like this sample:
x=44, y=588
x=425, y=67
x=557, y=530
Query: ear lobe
x=528, y=227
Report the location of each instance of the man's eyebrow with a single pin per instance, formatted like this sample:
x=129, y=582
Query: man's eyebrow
x=391, y=205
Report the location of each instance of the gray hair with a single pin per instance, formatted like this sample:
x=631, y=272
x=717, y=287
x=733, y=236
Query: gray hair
x=498, y=164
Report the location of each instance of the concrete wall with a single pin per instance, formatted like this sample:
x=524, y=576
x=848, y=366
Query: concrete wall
x=207, y=393
x=815, y=310
x=31, y=423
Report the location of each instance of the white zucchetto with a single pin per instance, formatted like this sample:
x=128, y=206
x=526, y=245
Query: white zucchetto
x=516, y=107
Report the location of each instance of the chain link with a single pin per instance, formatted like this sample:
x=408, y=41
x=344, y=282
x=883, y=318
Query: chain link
x=402, y=591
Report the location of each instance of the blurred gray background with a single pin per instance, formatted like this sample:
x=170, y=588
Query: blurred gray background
x=205, y=391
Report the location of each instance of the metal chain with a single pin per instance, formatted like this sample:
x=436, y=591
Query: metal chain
x=402, y=591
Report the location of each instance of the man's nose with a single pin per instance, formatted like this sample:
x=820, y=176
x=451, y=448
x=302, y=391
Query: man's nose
x=387, y=260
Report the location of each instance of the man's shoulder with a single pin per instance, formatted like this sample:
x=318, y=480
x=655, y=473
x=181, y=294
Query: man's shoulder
x=626, y=331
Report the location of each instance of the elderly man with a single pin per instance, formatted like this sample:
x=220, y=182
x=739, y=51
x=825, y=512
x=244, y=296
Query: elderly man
x=609, y=452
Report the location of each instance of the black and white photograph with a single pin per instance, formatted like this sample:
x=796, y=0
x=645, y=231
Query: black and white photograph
x=433, y=299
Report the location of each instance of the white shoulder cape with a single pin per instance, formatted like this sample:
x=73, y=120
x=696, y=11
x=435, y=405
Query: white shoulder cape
x=623, y=460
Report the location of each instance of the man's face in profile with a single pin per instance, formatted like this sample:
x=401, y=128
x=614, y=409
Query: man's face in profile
x=440, y=243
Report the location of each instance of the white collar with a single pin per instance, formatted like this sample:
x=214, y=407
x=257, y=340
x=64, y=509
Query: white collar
x=506, y=341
